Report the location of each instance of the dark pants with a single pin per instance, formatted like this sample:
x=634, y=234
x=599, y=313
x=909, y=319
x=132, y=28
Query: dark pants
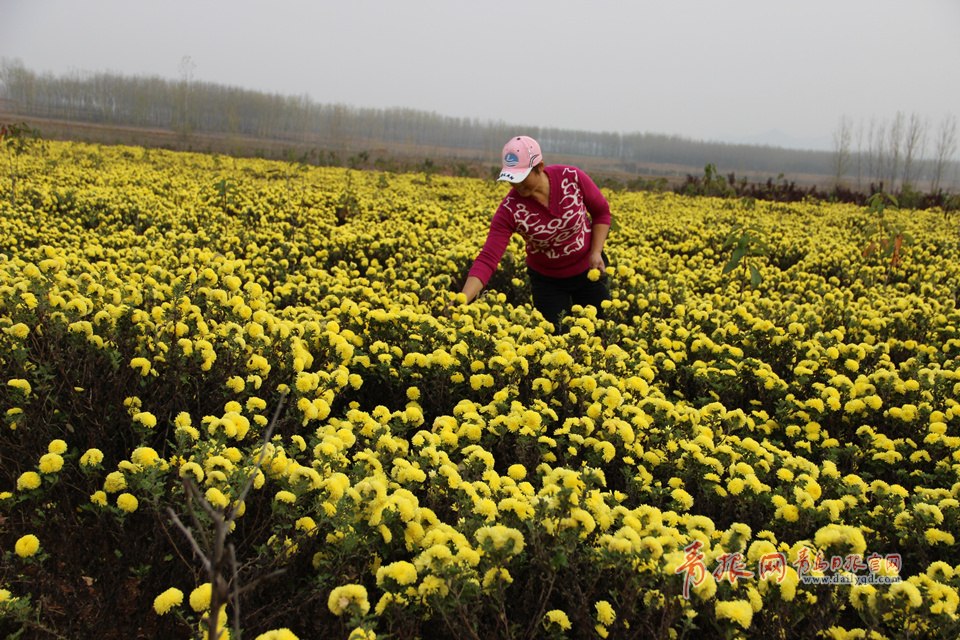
x=554, y=297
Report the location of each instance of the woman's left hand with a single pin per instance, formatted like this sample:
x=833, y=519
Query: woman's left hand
x=596, y=262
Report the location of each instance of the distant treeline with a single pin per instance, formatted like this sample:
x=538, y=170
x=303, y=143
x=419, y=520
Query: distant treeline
x=189, y=106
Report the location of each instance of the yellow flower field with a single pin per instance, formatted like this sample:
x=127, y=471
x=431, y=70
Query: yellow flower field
x=710, y=458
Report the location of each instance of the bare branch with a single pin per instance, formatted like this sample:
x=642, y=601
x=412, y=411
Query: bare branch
x=222, y=556
x=193, y=543
x=235, y=589
x=194, y=494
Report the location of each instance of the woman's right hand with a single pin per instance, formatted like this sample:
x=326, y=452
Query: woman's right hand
x=472, y=288
x=596, y=262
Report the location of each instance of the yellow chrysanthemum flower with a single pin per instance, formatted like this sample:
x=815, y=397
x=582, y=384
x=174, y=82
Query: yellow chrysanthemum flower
x=739, y=611
x=517, y=472
x=558, y=618
x=58, y=447
x=19, y=331
x=91, y=458
x=23, y=385
x=216, y=498
x=142, y=364
x=501, y=537
x=127, y=502
x=167, y=600
x=350, y=596
x=401, y=572
x=285, y=496
x=200, y=597
x=605, y=613
x=285, y=634
x=905, y=593
x=27, y=546
x=50, y=463
x=28, y=480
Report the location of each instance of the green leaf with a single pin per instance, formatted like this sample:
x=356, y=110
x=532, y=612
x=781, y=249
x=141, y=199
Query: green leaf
x=732, y=264
x=733, y=239
x=755, y=277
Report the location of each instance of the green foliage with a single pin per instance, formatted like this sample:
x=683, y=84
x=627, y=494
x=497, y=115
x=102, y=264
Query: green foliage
x=226, y=191
x=428, y=168
x=19, y=138
x=463, y=170
x=656, y=185
x=747, y=244
x=712, y=184
x=359, y=161
x=348, y=205
x=882, y=234
x=910, y=197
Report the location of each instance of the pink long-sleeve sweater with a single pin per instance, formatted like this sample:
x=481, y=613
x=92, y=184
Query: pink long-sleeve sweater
x=558, y=239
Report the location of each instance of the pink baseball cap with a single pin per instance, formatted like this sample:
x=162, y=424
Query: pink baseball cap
x=520, y=156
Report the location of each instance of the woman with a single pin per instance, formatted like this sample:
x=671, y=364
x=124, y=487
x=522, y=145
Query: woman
x=564, y=220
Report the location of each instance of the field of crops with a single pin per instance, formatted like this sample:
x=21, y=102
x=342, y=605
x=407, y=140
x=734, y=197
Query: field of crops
x=711, y=459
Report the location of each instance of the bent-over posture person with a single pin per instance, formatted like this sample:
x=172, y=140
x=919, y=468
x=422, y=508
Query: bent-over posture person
x=564, y=220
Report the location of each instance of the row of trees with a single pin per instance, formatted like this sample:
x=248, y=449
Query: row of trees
x=189, y=106
x=903, y=150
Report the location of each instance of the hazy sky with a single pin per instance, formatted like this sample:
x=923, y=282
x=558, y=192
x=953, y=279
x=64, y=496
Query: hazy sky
x=704, y=69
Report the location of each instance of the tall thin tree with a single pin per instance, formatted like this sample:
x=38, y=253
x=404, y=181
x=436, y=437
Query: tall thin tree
x=914, y=143
x=944, y=147
x=842, y=140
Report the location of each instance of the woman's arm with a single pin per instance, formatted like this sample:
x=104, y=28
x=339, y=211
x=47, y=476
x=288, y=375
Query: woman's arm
x=593, y=199
x=599, y=210
x=472, y=287
x=596, y=246
x=498, y=237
